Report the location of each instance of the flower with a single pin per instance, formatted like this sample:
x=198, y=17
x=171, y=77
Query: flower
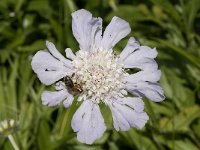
x=95, y=74
x=8, y=126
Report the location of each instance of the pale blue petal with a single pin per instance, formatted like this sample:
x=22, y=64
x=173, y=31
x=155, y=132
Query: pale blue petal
x=53, y=98
x=146, y=75
x=125, y=117
x=68, y=102
x=86, y=29
x=48, y=68
x=88, y=122
x=114, y=32
x=136, y=56
x=152, y=91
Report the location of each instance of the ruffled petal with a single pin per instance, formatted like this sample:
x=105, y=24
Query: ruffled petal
x=143, y=64
x=48, y=68
x=53, y=98
x=88, y=122
x=69, y=54
x=68, y=102
x=138, y=56
x=60, y=85
x=146, y=75
x=114, y=32
x=86, y=29
x=77, y=119
x=52, y=49
x=144, y=83
x=125, y=117
x=131, y=46
x=135, y=103
x=152, y=91
x=119, y=122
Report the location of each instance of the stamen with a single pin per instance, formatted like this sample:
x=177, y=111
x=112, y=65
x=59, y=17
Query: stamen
x=99, y=73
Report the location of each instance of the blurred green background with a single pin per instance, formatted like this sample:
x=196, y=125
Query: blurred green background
x=172, y=26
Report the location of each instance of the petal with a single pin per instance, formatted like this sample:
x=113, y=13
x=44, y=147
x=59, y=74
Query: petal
x=138, y=56
x=120, y=123
x=134, y=102
x=114, y=32
x=125, y=117
x=86, y=29
x=88, y=122
x=77, y=119
x=60, y=85
x=131, y=46
x=70, y=54
x=52, y=49
x=144, y=64
x=53, y=98
x=147, y=75
x=150, y=90
x=68, y=102
x=48, y=69
x=135, y=119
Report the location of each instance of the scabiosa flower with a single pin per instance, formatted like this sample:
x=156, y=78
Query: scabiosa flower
x=95, y=74
x=8, y=127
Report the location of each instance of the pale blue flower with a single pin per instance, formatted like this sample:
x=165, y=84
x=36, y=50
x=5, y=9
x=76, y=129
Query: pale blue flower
x=101, y=75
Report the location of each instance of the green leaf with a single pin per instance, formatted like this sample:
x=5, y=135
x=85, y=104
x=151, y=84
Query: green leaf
x=136, y=139
x=181, y=121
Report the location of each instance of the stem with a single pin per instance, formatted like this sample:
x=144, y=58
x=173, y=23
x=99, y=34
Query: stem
x=64, y=123
x=12, y=141
x=70, y=5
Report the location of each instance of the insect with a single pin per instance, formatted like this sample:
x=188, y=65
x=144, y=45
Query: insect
x=73, y=88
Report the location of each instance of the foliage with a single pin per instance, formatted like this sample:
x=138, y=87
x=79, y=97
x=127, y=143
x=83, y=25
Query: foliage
x=173, y=27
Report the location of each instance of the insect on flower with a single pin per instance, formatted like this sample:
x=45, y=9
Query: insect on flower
x=73, y=88
x=96, y=74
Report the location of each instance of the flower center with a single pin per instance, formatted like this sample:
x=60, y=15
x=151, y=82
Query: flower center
x=100, y=75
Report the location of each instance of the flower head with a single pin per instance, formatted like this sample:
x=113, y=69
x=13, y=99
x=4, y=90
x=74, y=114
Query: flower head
x=95, y=74
x=8, y=127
